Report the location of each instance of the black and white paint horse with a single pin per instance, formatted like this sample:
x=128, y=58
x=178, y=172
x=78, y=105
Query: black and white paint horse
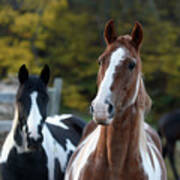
x=37, y=147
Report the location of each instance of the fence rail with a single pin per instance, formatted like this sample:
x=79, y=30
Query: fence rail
x=5, y=125
x=54, y=97
x=7, y=98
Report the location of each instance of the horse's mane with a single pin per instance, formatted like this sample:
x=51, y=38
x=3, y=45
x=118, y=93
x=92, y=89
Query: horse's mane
x=144, y=100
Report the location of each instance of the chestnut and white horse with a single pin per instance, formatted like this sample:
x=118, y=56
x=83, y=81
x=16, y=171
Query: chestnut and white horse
x=118, y=144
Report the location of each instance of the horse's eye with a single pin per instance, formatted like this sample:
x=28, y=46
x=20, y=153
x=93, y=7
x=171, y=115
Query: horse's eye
x=131, y=65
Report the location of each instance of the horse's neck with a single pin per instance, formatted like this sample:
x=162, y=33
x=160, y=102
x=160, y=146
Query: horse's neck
x=121, y=140
x=15, y=121
x=13, y=127
x=10, y=141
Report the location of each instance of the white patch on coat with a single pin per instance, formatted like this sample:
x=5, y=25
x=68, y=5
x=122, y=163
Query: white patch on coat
x=146, y=126
x=54, y=151
x=65, y=116
x=69, y=146
x=7, y=146
x=9, y=142
x=56, y=120
x=34, y=118
x=86, y=148
x=153, y=173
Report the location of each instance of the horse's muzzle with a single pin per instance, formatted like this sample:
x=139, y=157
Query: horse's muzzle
x=102, y=113
x=35, y=144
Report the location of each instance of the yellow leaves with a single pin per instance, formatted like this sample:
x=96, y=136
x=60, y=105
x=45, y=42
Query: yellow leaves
x=69, y=38
x=173, y=86
x=25, y=24
x=63, y=4
x=51, y=11
x=159, y=49
x=72, y=98
x=13, y=56
x=169, y=66
x=7, y=15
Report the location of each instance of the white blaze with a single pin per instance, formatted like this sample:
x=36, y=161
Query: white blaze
x=34, y=118
x=99, y=104
x=116, y=58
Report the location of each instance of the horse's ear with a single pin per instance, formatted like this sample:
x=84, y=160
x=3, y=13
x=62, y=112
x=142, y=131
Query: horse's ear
x=45, y=74
x=137, y=35
x=23, y=74
x=109, y=32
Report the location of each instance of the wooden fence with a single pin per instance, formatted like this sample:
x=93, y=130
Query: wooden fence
x=53, y=105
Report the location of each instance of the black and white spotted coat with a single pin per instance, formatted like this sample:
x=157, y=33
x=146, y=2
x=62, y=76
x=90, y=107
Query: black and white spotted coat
x=61, y=135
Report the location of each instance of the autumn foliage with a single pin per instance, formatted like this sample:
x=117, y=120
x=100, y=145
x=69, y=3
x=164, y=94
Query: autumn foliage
x=68, y=35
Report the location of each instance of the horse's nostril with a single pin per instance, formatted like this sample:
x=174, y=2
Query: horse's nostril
x=91, y=109
x=110, y=109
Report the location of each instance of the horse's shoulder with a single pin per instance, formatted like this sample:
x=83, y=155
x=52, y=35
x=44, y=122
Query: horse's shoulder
x=90, y=127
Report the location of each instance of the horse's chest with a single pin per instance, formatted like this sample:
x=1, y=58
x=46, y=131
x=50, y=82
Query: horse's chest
x=96, y=169
x=25, y=166
x=99, y=169
x=83, y=157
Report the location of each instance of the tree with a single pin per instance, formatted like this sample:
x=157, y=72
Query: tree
x=68, y=35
